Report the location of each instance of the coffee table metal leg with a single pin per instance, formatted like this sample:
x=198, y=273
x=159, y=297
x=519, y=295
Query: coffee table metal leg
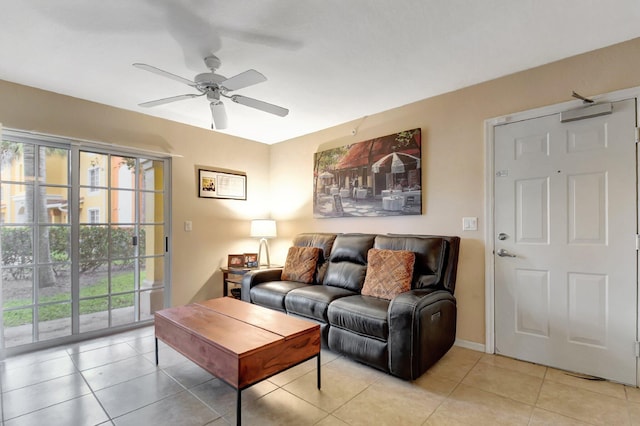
x=318, y=370
x=156, y=351
x=238, y=418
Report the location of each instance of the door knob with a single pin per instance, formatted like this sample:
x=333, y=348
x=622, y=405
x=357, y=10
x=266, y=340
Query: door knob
x=504, y=253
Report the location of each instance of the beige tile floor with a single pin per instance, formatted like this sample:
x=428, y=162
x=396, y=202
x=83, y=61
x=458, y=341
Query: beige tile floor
x=114, y=380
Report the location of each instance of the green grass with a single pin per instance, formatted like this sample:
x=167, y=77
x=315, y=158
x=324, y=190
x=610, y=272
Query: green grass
x=59, y=305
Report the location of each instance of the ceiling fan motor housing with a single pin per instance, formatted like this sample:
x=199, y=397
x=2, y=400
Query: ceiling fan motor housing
x=212, y=62
x=208, y=79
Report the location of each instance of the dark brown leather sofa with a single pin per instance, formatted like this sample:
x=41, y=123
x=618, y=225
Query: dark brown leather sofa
x=403, y=336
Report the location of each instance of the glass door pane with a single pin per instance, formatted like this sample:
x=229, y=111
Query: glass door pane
x=129, y=208
x=153, y=240
x=35, y=244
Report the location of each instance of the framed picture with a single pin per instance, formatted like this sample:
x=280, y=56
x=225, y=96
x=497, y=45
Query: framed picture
x=214, y=184
x=235, y=261
x=251, y=260
x=376, y=177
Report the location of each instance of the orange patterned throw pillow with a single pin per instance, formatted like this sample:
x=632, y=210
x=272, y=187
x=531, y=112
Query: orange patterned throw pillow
x=301, y=264
x=389, y=273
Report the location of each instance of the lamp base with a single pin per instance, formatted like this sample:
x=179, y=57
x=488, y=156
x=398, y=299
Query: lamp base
x=265, y=244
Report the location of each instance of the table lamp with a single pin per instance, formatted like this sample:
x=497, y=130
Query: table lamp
x=263, y=229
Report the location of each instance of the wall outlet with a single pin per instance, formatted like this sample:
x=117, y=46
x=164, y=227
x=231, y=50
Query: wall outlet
x=469, y=223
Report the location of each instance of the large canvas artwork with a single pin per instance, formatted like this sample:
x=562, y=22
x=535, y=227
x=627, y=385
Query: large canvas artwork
x=378, y=177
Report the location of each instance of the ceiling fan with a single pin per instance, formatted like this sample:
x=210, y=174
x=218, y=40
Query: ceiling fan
x=214, y=86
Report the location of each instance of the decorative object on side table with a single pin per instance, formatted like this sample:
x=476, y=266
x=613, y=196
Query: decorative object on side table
x=236, y=261
x=263, y=229
x=251, y=260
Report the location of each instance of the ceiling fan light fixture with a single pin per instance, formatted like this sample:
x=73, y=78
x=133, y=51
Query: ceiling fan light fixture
x=219, y=115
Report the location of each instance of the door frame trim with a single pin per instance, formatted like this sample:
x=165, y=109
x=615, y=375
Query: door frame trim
x=489, y=195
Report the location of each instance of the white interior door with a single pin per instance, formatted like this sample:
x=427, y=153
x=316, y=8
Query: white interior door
x=565, y=208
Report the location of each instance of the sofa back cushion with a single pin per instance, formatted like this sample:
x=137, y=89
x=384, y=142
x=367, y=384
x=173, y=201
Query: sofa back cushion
x=323, y=241
x=430, y=255
x=389, y=273
x=348, y=262
x=301, y=264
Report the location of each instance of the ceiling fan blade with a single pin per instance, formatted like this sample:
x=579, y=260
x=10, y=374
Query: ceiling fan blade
x=244, y=79
x=167, y=100
x=164, y=74
x=219, y=115
x=261, y=105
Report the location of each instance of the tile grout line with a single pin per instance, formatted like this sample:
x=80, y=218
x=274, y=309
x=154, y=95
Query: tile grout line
x=446, y=398
x=158, y=369
x=535, y=403
x=91, y=389
x=220, y=416
x=595, y=393
x=35, y=384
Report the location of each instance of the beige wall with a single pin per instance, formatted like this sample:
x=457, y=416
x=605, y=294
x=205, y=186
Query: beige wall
x=453, y=159
x=280, y=176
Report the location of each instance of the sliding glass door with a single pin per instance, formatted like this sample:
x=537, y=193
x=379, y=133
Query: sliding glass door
x=84, y=239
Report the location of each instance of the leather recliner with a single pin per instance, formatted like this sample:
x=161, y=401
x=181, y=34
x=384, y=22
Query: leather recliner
x=403, y=336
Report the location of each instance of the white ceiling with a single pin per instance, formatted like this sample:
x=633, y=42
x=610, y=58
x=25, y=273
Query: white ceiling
x=328, y=61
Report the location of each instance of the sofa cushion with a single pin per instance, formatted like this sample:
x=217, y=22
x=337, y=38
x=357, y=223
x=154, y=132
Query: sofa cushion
x=324, y=241
x=301, y=264
x=367, y=350
x=348, y=262
x=389, y=273
x=430, y=255
x=271, y=294
x=363, y=315
x=313, y=301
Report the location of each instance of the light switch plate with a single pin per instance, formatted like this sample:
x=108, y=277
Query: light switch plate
x=469, y=223
x=188, y=226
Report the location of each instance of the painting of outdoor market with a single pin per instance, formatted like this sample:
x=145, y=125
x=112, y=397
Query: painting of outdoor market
x=378, y=177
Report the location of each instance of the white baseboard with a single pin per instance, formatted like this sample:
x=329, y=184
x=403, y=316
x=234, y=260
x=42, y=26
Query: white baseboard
x=470, y=345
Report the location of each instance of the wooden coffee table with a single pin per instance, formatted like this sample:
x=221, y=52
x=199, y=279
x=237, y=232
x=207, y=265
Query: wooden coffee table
x=240, y=343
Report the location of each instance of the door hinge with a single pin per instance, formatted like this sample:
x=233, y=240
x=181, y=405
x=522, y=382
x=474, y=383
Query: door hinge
x=637, y=241
x=637, y=349
x=637, y=134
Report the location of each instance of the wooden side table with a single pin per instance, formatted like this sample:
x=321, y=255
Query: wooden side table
x=232, y=278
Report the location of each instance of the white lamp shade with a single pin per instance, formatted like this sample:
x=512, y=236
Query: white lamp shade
x=263, y=228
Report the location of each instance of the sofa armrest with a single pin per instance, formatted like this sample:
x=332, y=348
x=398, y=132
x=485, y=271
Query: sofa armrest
x=253, y=278
x=422, y=328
